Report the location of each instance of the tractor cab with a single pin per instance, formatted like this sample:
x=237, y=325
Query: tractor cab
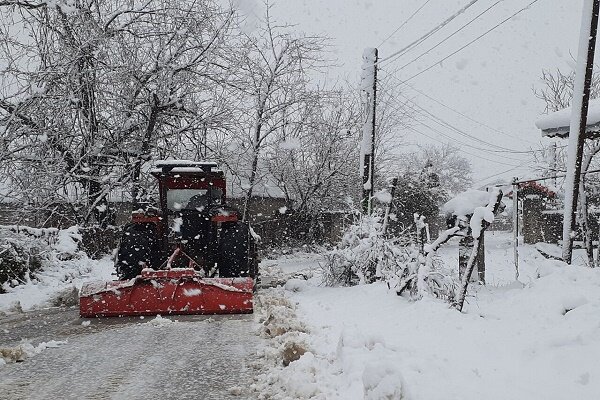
x=192, y=201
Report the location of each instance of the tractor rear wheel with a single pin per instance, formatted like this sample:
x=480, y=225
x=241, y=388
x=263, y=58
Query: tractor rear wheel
x=237, y=251
x=136, y=249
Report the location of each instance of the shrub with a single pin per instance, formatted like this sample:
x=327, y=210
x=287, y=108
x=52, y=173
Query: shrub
x=24, y=251
x=366, y=255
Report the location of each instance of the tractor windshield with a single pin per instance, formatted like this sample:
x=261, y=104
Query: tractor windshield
x=192, y=199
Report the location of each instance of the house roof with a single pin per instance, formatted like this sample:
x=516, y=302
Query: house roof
x=557, y=124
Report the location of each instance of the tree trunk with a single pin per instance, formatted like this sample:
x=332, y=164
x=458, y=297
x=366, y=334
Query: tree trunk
x=480, y=260
x=476, y=249
x=465, y=248
x=584, y=220
x=98, y=201
x=252, y=181
x=144, y=149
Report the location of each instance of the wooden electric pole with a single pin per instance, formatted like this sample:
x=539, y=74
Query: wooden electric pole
x=370, y=58
x=581, y=96
x=515, y=199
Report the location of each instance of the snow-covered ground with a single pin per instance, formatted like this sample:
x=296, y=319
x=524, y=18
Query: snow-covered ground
x=538, y=338
x=57, y=284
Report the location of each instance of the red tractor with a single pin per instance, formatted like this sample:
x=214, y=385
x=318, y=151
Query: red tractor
x=191, y=256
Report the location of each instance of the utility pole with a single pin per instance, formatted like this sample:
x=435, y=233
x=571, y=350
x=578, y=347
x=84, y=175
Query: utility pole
x=581, y=95
x=554, y=164
x=515, y=198
x=367, y=148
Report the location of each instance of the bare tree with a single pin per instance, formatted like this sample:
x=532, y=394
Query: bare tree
x=315, y=161
x=272, y=80
x=99, y=87
x=557, y=89
x=453, y=171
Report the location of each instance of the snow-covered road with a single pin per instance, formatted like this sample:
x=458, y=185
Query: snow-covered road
x=192, y=357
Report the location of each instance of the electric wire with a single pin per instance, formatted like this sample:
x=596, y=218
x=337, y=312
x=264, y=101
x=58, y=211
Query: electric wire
x=499, y=173
x=404, y=23
x=472, y=41
x=440, y=121
x=462, y=150
x=464, y=144
x=439, y=102
x=449, y=36
x=429, y=33
x=501, y=149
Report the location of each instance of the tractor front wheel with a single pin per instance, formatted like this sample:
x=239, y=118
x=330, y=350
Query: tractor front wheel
x=136, y=249
x=237, y=251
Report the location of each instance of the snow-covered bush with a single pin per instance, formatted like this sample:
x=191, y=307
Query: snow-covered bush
x=19, y=257
x=360, y=255
x=423, y=275
x=24, y=251
x=366, y=254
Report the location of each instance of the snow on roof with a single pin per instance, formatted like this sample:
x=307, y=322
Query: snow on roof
x=182, y=166
x=558, y=122
x=182, y=163
x=238, y=187
x=182, y=170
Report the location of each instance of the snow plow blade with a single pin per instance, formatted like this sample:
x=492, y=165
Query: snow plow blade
x=175, y=291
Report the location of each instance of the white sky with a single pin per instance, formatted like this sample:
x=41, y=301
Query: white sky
x=490, y=81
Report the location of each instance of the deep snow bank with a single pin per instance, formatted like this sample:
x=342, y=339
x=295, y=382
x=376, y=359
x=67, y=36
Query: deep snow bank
x=64, y=268
x=535, y=339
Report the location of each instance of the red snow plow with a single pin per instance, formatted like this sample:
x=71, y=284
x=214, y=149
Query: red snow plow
x=191, y=256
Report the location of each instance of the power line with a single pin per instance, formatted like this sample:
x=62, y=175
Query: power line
x=450, y=36
x=500, y=149
x=460, y=142
x=404, y=23
x=462, y=150
x=439, y=102
x=429, y=33
x=472, y=41
x=442, y=122
x=545, y=178
x=499, y=173
x=466, y=144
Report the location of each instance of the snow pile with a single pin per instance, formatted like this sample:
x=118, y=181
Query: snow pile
x=358, y=365
x=287, y=370
x=464, y=203
x=160, y=321
x=382, y=381
x=61, y=272
x=481, y=214
x=23, y=351
x=542, y=336
x=68, y=241
x=383, y=196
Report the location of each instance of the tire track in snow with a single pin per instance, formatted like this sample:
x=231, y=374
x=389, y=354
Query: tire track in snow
x=200, y=359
